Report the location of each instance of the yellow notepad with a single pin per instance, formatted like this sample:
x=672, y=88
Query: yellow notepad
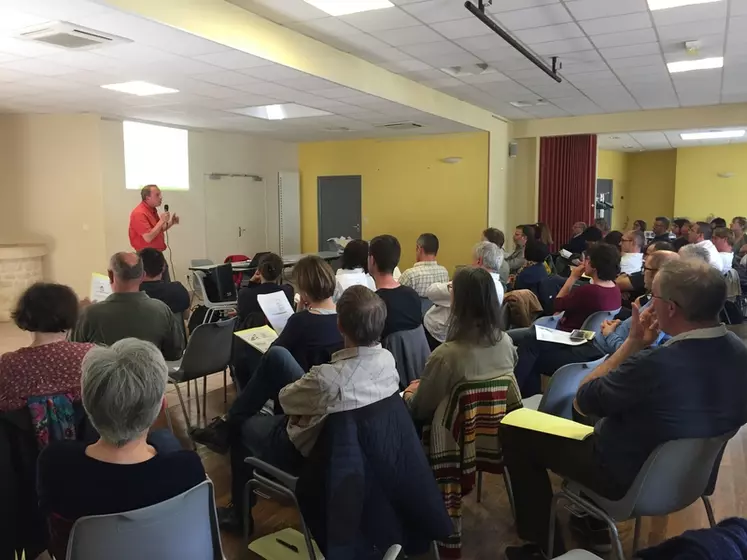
x=260, y=338
x=547, y=423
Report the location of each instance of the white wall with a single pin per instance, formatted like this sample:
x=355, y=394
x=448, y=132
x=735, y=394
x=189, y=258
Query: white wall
x=209, y=152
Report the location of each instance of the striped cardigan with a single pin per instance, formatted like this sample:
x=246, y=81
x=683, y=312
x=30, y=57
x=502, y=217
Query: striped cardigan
x=463, y=439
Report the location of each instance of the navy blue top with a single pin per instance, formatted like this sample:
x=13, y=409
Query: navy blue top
x=311, y=338
x=687, y=388
x=247, y=300
x=530, y=277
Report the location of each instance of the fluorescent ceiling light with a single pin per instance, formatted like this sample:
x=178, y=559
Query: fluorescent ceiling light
x=702, y=64
x=281, y=112
x=666, y=4
x=712, y=134
x=345, y=7
x=140, y=88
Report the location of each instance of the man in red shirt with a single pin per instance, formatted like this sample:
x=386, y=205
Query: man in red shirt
x=146, y=228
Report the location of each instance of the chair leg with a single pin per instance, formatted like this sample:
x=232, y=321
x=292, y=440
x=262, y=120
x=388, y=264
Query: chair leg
x=479, y=486
x=709, y=510
x=184, y=408
x=204, y=399
x=225, y=387
x=197, y=402
x=551, y=530
x=509, y=491
x=636, y=535
x=168, y=419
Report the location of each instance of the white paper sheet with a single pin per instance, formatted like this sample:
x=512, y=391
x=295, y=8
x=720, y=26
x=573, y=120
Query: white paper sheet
x=260, y=338
x=276, y=308
x=559, y=337
x=352, y=279
x=100, y=287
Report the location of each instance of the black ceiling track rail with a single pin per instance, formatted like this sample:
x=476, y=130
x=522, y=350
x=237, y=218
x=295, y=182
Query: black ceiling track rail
x=479, y=12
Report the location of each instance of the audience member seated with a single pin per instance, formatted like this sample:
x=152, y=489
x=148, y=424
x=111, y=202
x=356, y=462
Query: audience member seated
x=632, y=285
x=403, y=308
x=496, y=236
x=130, y=313
x=123, y=390
x=577, y=243
x=631, y=257
x=602, y=266
x=717, y=223
x=173, y=294
x=738, y=227
x=661, y=229
x=693, y=386
x=700, y=235
x=354, y=261
x=542, y=233
x=680, y=229
x=614, y=238
x=602, y=225
x=361, y=374
x=694, y=252
x=723, y=240
x=538, y=358
x=534, y=271
x=266, y=280
x=311, y=335
x=640, y=225
x=475, y=348
x=485, y=255
x=592, y=235
x=50, y=365
x=521, y=235
x=426, y=270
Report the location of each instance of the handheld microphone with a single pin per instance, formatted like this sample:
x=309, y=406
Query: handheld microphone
x=166, y=207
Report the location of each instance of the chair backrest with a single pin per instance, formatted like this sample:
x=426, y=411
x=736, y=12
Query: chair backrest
x=505, y=319
x=185, y=526
x=547, y=289
x=551, y=321
x=208, y=349
x=594, y=321
x=676, y=474
x=558, y=398
x=410, y=350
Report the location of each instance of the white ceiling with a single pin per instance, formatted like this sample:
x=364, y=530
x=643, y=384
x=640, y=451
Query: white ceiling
x=212, y=80
x=613, y=51
x=666, y=140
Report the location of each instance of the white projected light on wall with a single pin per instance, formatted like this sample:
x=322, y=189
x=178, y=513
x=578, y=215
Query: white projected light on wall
x=156, y=155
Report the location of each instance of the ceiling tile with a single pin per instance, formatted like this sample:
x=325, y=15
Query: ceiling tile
x=616, y=24
x=543, y=16
x=233, y=60
x=577, y=105
x=336, y=92
x=484, y=78
x=380, y=20
x=625, y=38
x=552, y=48
x=604, y=78
x=273, y=72
x=287, y=10
x=409, y=36
x=457, y=29
x=546, y=111
x=551, y=90
x=38, y=66
x=572, y=68
x=409, y=65
x=226, y=78
x=592, y=9
x=550, y=33
x=435, y=11
x=307, y=83
x=429, y=49
x=484, y=42
x=9, y=45
x=327, y=26
x=688, y=31
x=454, y=59
x=501, y=6
x=631, y=50
x=655, y=60
x=738, y=8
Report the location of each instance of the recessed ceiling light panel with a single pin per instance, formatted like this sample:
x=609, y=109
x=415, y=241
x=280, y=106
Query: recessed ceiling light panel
x=702, y=64
x=140, y=88
x=345, y=7
x=666, y=4
x=281, y=112
x=712, y=134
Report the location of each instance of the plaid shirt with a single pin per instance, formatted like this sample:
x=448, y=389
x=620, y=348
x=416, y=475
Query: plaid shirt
x=422, y=275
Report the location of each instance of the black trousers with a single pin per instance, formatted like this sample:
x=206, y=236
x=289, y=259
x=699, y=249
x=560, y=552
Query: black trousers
x=528, y=455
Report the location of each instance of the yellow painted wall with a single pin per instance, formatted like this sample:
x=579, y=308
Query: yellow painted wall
x=614, y=165
x=406, y=189
x=701, y=192
x=523, y=184
x=652, y=180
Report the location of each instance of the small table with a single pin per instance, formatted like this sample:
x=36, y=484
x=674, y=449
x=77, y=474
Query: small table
x=288, y=261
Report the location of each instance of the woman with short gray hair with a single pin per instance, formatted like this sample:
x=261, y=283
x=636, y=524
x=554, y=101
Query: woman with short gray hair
x=123, y=389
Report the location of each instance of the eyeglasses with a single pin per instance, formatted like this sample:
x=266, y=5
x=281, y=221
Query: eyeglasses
x=650, y=269
x=667, y=300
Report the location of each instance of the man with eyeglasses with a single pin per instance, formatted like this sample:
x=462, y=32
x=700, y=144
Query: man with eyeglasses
x=631, y=248
x=692, y=386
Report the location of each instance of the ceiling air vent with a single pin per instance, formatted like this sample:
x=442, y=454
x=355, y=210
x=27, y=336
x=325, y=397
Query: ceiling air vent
x=405, y=125
x=69, y=36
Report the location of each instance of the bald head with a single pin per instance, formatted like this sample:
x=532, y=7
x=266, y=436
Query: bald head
x=659, y=258
x=125, y=272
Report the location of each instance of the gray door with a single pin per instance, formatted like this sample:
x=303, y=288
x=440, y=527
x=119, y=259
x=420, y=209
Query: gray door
x=604, y=201
x=339, y=208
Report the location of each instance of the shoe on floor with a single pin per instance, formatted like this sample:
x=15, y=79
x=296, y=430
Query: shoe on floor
x=525, y=552
x=593, y=531
x=214, y=436
x=228, y=519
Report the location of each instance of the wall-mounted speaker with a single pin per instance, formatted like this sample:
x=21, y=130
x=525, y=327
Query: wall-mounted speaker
x=513, y=149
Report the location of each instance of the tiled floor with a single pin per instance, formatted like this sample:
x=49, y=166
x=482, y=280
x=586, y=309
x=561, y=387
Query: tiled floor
x=488, y=526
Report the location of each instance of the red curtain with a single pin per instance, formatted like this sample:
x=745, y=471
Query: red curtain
x=567, y=183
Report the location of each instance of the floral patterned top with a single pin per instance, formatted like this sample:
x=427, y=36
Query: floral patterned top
x=40, y=370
